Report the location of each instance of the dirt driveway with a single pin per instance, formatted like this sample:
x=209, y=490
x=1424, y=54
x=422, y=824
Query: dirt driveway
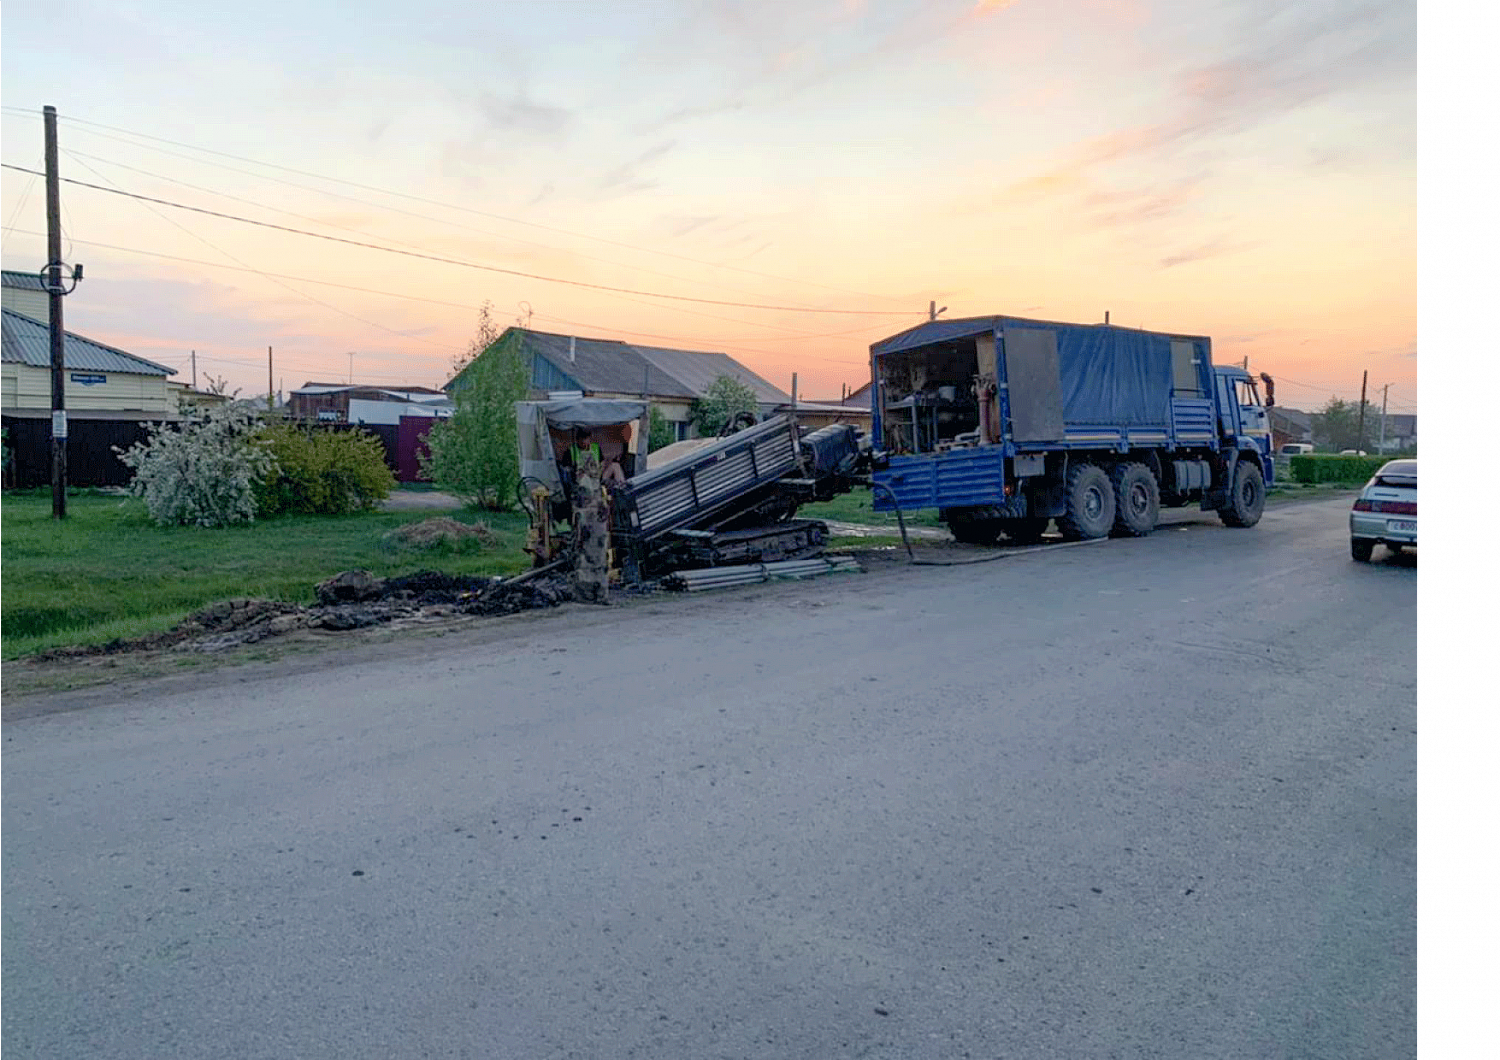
x=420, y=500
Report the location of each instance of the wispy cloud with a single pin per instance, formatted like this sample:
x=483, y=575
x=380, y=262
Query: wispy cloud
x=1213, y=248
x=1285, y=61
x=677, y=227
x=520, y=114
x=1141, y=205
x=627, y=177
x=805, y=47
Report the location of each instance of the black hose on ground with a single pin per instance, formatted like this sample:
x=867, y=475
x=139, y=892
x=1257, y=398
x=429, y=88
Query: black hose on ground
x=912, y=556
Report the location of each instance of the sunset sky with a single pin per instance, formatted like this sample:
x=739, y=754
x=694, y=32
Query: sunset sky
x=1240, y=168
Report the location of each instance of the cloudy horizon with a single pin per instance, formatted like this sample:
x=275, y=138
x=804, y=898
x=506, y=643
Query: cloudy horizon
x=1245, y=170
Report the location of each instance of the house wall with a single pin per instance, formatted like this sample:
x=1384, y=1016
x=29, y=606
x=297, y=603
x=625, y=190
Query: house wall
x=363, y=410
x=33, y=304
x=23, y=386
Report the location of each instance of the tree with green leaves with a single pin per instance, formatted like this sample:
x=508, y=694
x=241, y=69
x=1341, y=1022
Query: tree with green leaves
x=473, y=453
x=725, y=398
x=10, y=456
x=485, y=335
x=663, y=431
x=202, y=472
x=1337, y=425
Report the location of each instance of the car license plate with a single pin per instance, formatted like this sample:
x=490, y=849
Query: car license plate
x=1402, y=526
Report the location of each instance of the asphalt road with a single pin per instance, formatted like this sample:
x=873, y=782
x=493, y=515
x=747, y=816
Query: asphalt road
x=1148, y=798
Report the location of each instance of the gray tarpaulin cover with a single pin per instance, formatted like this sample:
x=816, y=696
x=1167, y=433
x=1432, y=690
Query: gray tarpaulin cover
x=572, y=413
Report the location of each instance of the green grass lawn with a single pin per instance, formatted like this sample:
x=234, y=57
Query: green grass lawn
x=855, y=507
x=107, y=571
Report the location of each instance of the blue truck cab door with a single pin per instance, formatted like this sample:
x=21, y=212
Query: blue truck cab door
x=1244, y=422
x=1241, y=413
x=1229, y=409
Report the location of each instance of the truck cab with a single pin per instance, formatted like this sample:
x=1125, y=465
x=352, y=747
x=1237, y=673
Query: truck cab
x=1244, y=423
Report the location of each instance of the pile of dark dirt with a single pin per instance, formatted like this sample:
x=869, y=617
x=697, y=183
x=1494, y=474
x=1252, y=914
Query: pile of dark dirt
x=236, y=621
x=466, y=594
x=431, y=533
x=350, y=600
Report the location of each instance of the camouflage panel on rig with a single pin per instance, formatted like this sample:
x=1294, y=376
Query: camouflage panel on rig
x=590, y=533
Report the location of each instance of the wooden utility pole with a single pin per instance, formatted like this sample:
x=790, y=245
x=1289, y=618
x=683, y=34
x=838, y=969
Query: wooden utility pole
x=195, y=369
x=55, y=319
x=1363, y=386
x=1385, y=395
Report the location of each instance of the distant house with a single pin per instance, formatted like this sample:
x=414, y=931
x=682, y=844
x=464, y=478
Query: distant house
x=96, y=377
x=22, y=292
x=854, y=407
x=1400, y=432
x=1289, y=425
x=190, y=398
x=107, y=392
x=609, y=368
x=362, y=403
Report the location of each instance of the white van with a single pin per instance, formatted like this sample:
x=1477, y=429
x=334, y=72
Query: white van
x=1295, y=449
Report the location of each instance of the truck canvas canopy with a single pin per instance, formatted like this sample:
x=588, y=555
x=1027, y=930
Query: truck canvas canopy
x=1059, y=377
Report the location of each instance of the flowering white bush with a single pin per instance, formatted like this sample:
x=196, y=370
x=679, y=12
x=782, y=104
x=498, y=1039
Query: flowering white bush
x=202, y=472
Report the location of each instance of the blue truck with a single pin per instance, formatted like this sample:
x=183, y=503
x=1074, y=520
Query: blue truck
x=1004, y=424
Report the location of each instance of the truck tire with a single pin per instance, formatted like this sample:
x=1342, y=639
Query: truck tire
x=1026, y=531
x=972, y=530
x=1247, y=495
x=1137, y=500
x=1090, y=504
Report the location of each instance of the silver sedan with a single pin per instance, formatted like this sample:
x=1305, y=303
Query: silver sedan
x=1386, y=511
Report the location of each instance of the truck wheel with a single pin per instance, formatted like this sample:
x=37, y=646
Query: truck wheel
x=1027, y=531
x=1361, y=548
x=1137, y=500
x=1247, y=495
x=970, y=530
x=1090, y=502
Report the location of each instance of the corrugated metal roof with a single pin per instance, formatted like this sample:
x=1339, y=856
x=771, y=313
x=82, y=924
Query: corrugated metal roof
x=26, y=341
x=698, y=371
x=604, y=365
x=29, y=281
x=335, y=388
x=615, y=367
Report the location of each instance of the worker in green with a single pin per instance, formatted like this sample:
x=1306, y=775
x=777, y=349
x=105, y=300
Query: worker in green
x=584, y=444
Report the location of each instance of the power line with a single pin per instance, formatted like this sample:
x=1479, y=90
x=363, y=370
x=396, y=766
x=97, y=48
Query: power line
x=461, y=305
x=279, y=283
x=21, y=205
x=375, y=205
x=464, y=264
x=449, y=206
